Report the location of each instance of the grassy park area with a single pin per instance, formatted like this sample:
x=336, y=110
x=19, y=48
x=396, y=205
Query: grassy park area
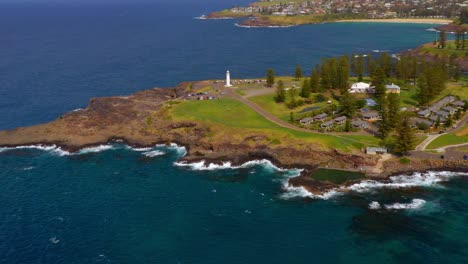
x=459, y=137
x=228, y=117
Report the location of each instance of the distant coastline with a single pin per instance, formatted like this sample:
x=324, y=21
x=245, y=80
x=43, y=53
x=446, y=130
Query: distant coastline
x=399, y=20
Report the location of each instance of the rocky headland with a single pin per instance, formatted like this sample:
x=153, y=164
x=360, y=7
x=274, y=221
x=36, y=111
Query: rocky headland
x=143, y=119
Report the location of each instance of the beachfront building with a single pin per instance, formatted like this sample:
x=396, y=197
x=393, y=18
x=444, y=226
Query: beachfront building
x=375, y=150
x=340, y=120
x=371, y=116
x=320, y=117
x=458, y=104
x=392, y=88
x=306, y=121
x=327, y=125
x=361, y=87
x=360, y=124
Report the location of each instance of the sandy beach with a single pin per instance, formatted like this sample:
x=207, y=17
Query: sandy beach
x=402, y=20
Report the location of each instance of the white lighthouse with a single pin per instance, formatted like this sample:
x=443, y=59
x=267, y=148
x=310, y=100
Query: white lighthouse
x=228, y=79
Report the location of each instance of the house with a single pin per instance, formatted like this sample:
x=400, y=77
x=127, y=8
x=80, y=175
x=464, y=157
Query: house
x=340, y=120
x=419, y=121
x=360, y=124
x=458, y=104
x=450, y=109
x=435, y=117
x=327, y=125
x=320, y=117
x=306, y=121
x=424, y=113
x=361, y=87
x=392, y=88
x=375, y=150
x=443, y=114
x=371, y=115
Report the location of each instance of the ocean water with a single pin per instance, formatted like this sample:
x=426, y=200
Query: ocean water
x=114, y=204
x=119, y=205
x=54, y=57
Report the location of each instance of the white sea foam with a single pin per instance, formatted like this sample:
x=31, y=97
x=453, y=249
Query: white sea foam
x=300, y=192
x=375, y=205
x=153, y=153
x=201, y=165
x=139, y=149
x=28, y=168
x=96, y=149
x=418, y=179
x=51, y=148
x=414, y=204
x=202, y=17
x=54, y=240
x=182, y=151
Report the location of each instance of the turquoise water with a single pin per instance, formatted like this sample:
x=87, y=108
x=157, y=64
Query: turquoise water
x=119, y=205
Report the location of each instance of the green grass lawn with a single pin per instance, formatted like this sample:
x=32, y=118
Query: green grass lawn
x=409, y=97
x=280, y=110
x=449, y=50
x=459, y=137
x=238, y=118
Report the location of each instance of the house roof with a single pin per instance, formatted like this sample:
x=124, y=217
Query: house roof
x=307, y=119
x=442, y=113
x=370, y=114
x=458, y=103
x=417, y=120
x=360, y=85
x=449, y=109
x=376, y=149
x=320, y=116
x=434, y=118
x=359, y=123
x=339, y=119
x=424, y=112
x=392, y=86
x=327, y=124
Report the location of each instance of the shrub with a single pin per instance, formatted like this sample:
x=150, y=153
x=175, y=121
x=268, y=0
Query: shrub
x=405, y=160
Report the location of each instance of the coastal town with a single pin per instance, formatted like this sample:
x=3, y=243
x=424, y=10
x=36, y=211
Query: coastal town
x=361, y=8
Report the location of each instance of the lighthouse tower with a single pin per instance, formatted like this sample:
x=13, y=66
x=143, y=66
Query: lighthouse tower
x=228, y=79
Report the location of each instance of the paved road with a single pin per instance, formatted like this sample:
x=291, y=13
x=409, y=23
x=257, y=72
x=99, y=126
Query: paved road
x=422, y=146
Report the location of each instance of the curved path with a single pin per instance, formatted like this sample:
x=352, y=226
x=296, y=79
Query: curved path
x=423, y=145
x=232, y=94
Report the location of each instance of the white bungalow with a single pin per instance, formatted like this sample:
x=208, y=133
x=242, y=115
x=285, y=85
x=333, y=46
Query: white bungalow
x=361, y=87
x=392, y=88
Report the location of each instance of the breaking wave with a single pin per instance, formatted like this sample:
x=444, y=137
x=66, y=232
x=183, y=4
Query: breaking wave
x=52, y=149
x=96, y=149
x=201, y=165
x=300, y=192
x=414, y=204
x=153, y=153
x=419, y=179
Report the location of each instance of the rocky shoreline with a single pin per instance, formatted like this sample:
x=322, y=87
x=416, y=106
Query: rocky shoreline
x=141, y=120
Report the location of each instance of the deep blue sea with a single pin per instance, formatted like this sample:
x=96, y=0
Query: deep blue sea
x=114, y=204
